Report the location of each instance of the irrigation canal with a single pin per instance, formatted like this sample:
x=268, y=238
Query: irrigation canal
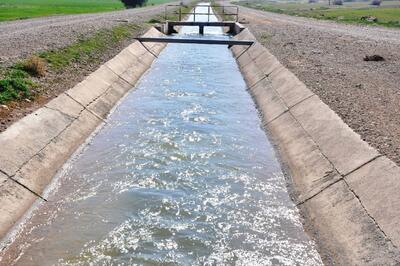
x=181, y=174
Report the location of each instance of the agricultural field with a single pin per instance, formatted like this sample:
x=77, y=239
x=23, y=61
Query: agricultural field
x=22, y=9
x=388, y=14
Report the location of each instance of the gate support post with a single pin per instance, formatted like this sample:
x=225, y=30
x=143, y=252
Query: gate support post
x=201, y=30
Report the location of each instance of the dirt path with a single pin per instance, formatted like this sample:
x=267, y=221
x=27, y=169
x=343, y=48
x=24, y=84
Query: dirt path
x=328, y=58
x=21, y=38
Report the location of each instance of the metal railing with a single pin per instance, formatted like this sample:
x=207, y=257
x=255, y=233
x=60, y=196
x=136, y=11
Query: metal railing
x=182, y=13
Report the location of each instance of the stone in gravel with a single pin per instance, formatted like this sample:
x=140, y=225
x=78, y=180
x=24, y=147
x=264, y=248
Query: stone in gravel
x=374, y=57
x=5, y=107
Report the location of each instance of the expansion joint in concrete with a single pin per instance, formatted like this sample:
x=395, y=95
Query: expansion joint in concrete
x=305, y=99
x=245, y=50
x=369, y=215
x=275, y=118
x=36, y=154
x=119, y=76
x=88, y=110
x=319, y=192
x=362, y=165
x=253, y=85
x=27, y=188
x=1, y=171
x=148, y=50
x=62, y=113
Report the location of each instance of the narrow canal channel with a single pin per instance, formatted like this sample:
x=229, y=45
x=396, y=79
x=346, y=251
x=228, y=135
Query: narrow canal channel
x=181, y=174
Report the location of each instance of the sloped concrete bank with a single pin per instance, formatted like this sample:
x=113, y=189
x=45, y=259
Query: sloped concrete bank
x=35, y=148
x=347, y=192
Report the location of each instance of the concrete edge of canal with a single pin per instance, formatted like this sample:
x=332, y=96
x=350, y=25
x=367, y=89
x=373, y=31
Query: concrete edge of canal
x=36, y=147
x=347, y=192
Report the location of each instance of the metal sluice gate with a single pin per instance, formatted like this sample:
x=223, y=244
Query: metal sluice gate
x=168, y=29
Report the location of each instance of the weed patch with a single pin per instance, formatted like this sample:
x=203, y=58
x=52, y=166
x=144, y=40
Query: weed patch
x=35, y=66
x=16, y=85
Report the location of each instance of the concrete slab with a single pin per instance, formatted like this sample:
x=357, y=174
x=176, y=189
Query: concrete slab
x=122, y=61
x=106, y=102
x=122, y=86
x=21, y=141
x=256, y=50
x=244, y=60
x=140, y=52
x=105, y=74
x=289, y=87
x=341, y=145
x=252, y=74
x=65, y=105
x=310, y=171
x=39, y=171
x=243, y=35
x=3, y=178
x=93, y=86
x=156, y=48
x=267, y=63
x=137, y=49
x=341, y=225
x=377, y=185
x=133, y=73
x=268, y=101
x=14, y=202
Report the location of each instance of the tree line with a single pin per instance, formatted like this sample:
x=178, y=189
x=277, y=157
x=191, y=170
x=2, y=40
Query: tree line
x=133, y=3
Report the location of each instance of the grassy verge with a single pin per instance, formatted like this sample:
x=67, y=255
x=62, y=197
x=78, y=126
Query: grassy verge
x=88, y=49
x=387, y=15
x=22, y=9
x=23, y=79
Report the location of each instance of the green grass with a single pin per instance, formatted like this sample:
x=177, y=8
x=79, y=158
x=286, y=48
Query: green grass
x=351, y=12
x=88, y=49
x=21, y=9
x=16, y=83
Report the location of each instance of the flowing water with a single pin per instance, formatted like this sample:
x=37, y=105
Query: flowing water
x=181, y=174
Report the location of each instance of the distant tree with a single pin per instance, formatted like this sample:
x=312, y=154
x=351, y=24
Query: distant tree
x=133, y=3
x=376, y=2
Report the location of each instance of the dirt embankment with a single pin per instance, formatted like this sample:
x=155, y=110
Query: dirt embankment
x=20, y=39
x=329, y=58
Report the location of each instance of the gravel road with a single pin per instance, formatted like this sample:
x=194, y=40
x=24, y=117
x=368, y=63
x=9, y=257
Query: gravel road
x=21, y=38
x=328, y=58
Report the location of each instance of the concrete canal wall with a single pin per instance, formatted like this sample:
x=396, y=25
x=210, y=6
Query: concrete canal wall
x=33, y=149
x=347, y=191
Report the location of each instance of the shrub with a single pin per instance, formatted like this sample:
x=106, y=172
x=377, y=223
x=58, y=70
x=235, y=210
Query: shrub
x=35, y=66
x=14, y=89
x=133, y=3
